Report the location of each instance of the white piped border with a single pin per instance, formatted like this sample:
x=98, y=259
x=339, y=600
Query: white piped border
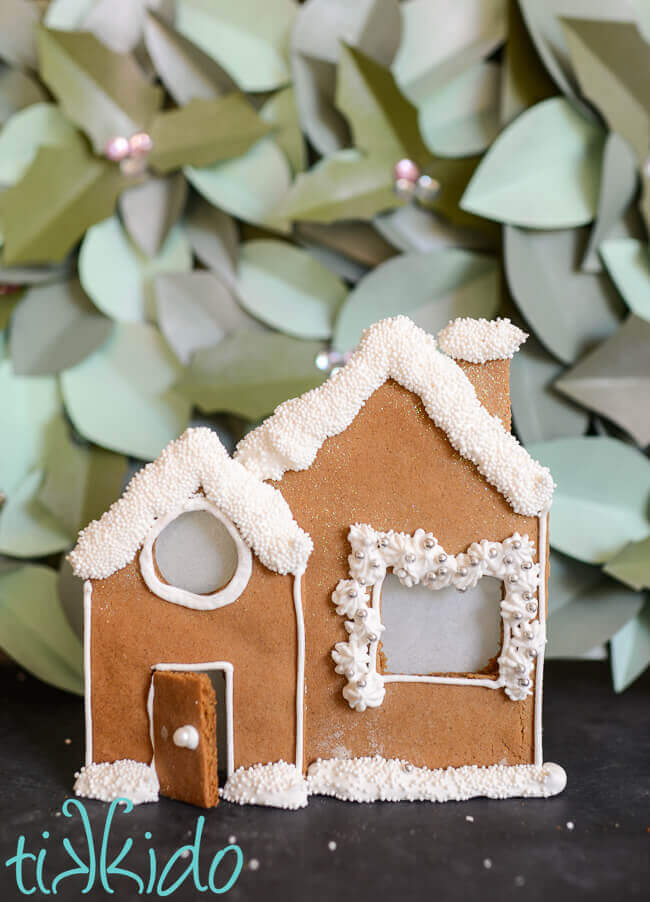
x=210, y=602
x=418, y=558
x=88, y=707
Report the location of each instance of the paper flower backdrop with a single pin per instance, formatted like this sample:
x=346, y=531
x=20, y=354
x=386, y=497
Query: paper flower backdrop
x=198, y=218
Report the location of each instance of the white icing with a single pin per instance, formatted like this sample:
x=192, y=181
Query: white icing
x=480, y=340
x=88, y=708
x=393, y=780
x=196, y=460
x=228, y=594
x=300, y=669
x=542, y=534
x=186, y=737
x=419, y=558
x=123, y=779
x=278, y=785
x=396, y=348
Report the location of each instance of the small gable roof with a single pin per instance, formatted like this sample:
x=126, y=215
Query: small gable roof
x=397, y=349
x=197, y=460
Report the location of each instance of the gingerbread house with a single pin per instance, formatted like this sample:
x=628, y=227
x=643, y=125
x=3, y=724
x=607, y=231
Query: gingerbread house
x=353, y=604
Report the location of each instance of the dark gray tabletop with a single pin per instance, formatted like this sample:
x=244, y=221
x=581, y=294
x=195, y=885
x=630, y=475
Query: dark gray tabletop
x=514, y=849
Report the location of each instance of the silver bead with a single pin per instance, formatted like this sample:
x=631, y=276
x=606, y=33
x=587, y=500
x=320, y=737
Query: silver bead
x=401, y=573
x=372, y=637
x=462, y=571
x=361, y=581
x=349, y=674
x=362, y=614
x=404, y=189
x=426, y=188
x=442, y=571
x=520, y=668
x=462, y=588
x=516, y=544
x=359, y=555
x=517, y=615
x=531, y=607
x=523, y=682
x=407, y=768
x=526, y=565
x=474, y=562
x=507, y=560
x=492, y=552
x=512, y=579
x=362, y=684
x=375, y=564
x=430, y=576
x=352, y=593
x=409, y=558
x=527, y=596
x=429, y=543
x=532, y=653
x=383, y=542
x=528, y=634
x=442, y=557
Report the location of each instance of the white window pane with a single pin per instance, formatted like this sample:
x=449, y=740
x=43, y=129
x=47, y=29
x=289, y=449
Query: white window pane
x=196, y=553
x=441, y=631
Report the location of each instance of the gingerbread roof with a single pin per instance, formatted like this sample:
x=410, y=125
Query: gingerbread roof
x=397, y=349
x=197, y=460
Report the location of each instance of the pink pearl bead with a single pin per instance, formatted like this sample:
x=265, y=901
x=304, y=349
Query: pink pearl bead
x=140, y=144
x=117, y=148
x=407, y=170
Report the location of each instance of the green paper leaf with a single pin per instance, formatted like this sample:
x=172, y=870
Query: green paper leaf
x=213, y=237
x=34, y=631
x=630, y=650
x=34, y=275
x=570, y=311
x=104, y=92
x=250, y=40
x=374, y=26
x=196, y=310
x=632, y=565
x=80, y=191
x=281, y=113
x=29, y=409
x=70, y=590
x=539, y=411
x=17, y=91
x=118, y=277
x=150, y=209
x=461, y=118
x=440, y=41
x=186, y=71
x=431, y=288
x=618, y=185
x=54, y=327
x=122, y=396
x=411, y=228
x=251, y=187
x=614, y=380
x=382, y=120
x=117, y=23
x=542, y=171
x=67, y=15
x=27, y=529
x=42, y=124
x=591, y=619
x=628, y=263
x=601, y=500
x=81, y=481
x=568, y=580
x=360, y=241
x=250, y=373
x=288, y=290
x=524, y=80
x=18, y=22
x=204, y=132
x=345, y=185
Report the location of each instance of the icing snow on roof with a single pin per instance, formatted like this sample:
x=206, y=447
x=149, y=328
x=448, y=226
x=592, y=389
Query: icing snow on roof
x=480, y=340
x=396, y=348
x=197, y=460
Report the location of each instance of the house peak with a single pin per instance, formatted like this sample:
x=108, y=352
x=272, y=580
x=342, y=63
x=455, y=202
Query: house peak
x=480, y=340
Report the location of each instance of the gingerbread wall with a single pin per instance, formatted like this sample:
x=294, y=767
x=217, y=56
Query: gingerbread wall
x=392, y=468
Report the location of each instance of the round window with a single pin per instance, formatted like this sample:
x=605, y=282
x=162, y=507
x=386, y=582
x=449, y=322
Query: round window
x=196, y=553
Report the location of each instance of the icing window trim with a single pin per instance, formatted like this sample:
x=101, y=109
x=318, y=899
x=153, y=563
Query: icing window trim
x=419, y=558
x=209, y=602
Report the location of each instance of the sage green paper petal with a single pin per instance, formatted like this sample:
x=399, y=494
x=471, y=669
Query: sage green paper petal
x=186, y=71
x=17, y=91
x=628, y=263
x=18, y=22
x=250, y=373
x=251, y=187
x=431, y=288
x=34, y=275
x=356, y=239
x=630, y=650
x=67, y=15
x=117, y=23
x=288, y=289
x=344, y=185
x=34, y=630
x=524, y=79
x=42, y=124
x=27, y=529
x=54, y=327
x=539, y=411
x=411, y=228
x=70, y=590
x=250, y=39
x=80, y=190
x=81, y=481
x=29, y=409
x=213, y=237
x=122, y=396
x=569, y=310
x=542, y=171
x=150, y=209
x=281, y=113
x=569, y=580
x=601, y=500
x=196, y=310
x=589, y=620
x=118, y=277
x=461, y=118
x=104, y=92
x=614, y=379
x=632, y=565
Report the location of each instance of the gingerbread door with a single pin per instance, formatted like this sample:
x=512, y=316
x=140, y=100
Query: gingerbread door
x=185, y=737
